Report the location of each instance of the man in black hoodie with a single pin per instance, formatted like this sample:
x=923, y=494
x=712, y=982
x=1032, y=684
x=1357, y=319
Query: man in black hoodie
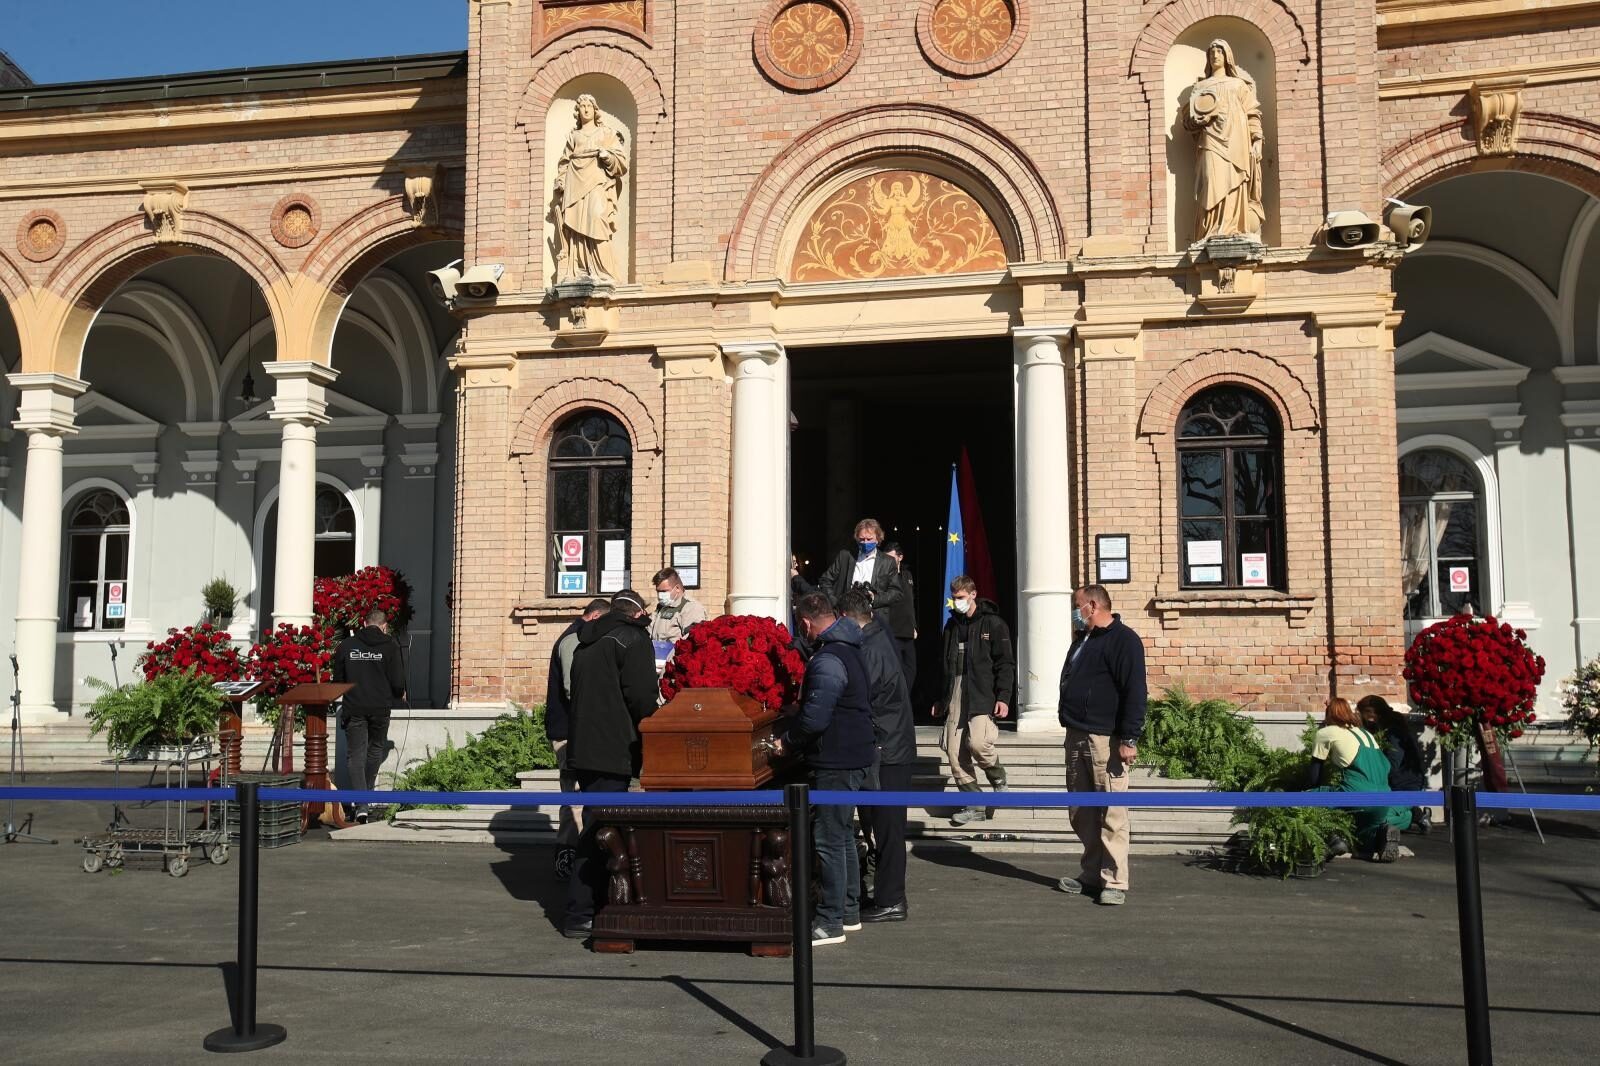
x=980, y=675
x=369, y=660
x=1103, y=694
x=896, y=735
x=614, y=688
x=557, y=691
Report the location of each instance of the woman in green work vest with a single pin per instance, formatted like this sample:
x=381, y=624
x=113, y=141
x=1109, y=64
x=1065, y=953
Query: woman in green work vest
x=1343, y=746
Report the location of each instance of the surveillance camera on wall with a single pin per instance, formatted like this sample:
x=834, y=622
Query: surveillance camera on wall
x=1410, y=223
x=443, y=282
x=482, y=282
x=1349, y=230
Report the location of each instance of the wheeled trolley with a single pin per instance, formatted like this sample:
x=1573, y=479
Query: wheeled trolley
x=178, y=842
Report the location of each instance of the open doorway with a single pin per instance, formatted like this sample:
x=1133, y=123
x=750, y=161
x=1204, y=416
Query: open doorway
x=879, y=429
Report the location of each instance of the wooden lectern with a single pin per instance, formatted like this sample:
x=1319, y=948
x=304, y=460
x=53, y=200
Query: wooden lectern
x=688, y=873
x=230, y=729
x=315, y=698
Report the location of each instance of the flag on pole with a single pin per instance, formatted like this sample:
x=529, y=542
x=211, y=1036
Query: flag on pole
x=955, y=546
x=980, y=564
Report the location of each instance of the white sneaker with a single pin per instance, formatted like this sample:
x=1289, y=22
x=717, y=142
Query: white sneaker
x=849, y=928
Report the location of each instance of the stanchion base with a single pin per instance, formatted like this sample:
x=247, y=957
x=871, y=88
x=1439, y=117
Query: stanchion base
x=782, y=1056
x=265, y=1036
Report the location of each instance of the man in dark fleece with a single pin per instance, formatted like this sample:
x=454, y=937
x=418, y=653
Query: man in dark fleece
x=614, y=688
x=369, y=660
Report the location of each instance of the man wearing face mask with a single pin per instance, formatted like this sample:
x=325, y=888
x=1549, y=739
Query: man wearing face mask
x=980, y=675
x=867, y=568
x=1103, y=693
x=675, y=611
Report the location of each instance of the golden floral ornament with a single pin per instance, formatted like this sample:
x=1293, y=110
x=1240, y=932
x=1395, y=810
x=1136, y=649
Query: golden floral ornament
x=563, y=16
x=807, y=44
x=969, y=38
x=894, y=224
x=296, y=220
x=41, y=236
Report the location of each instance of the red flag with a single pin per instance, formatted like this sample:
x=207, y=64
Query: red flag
x=980, y=567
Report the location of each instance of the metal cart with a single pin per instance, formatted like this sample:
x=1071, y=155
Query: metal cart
x=177, y=841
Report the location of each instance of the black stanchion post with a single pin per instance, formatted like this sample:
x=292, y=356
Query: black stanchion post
x=245, y=1034
x=1469, y=911
x=805, y=1051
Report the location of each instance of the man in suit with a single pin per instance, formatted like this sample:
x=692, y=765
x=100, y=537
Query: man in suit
x=866, y=568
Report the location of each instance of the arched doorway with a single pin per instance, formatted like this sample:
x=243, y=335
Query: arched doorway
x=337, y=539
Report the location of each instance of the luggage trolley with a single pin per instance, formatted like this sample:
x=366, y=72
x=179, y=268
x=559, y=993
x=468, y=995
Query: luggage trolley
x=177, y=841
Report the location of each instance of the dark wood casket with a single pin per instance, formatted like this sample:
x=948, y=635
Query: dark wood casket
x=688, y=873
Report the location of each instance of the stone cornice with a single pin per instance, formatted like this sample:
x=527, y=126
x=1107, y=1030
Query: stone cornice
x=1455, y=82
x=310, y=170
x=1402, y=22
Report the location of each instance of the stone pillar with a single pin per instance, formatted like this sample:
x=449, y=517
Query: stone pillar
x=300, y=403
x=1582, y=422
x=760, y=440
x=1044, y=524
x=695, y=453
x=46, y=413
x=1510, y=592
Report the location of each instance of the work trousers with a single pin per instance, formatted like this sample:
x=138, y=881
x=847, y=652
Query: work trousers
x=589, y=872
x=838, y=865
x=366, y=745
x=885, y=829
x=1093, y=767
x=970, y=746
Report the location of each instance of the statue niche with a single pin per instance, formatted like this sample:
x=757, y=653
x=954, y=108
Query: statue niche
x=1223, y=115
x=588, y=186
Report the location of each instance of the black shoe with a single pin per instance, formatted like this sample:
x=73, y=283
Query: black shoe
x=1388, y=845
x=895, y=913
x=1422, y=820
x=578, y=930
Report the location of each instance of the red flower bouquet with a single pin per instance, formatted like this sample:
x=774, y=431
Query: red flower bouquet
x=1471, y=673
x=750, y=654
x=343, y=602
x=204, y=649
x=291, y=655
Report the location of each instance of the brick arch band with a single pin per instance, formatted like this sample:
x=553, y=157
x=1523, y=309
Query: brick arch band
x=905, y=130
x=551, y=405
x=1223, y=366
x=1557, y=146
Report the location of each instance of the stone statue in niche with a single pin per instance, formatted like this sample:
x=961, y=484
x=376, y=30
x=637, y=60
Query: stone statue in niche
x=1224, y=116
x=588, y=185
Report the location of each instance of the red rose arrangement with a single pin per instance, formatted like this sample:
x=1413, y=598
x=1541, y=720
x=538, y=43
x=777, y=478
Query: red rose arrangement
x=204, y=649
x=1469, y=673
x=343, y=602
x=750, y=654
x=292, y=655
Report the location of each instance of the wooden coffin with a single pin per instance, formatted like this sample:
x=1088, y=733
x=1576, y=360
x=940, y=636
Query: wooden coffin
x=707, y=738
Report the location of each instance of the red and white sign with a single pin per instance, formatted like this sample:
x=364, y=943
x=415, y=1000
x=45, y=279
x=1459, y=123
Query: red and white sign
x=572, y=550
x=1253, y=569
x=114, y=592
x=1460, y=579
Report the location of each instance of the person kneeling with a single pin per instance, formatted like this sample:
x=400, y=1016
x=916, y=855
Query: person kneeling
x=1363, y=767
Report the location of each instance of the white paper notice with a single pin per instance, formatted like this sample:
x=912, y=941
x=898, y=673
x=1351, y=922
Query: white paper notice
x=611, y=580
x=1253, y=570
x=1205, y=553
x=1205, y=575
x=690, y=576
x=685, y=555
x=616, y=558
x=1113, y=569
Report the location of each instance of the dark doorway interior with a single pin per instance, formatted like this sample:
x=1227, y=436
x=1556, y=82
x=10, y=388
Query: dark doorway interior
x=880, y=427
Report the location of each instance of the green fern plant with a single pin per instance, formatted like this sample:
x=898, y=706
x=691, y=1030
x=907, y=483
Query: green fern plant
x=488, y=762
x=1283, y=840
x=170, y=709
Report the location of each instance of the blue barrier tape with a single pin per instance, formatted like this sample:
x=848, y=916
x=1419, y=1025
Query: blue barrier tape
x=113, y=795
x=1512, y=801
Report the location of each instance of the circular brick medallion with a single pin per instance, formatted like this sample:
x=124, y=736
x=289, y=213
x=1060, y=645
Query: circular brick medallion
x=296, y=220
x=807, y=44
x=41, y=235
x=969, y=38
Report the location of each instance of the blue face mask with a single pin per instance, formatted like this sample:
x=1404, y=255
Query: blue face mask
x=1078, y=621
x=866, y=547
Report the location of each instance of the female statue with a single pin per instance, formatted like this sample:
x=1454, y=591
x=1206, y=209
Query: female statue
x=1225, y=118
x=588, y=183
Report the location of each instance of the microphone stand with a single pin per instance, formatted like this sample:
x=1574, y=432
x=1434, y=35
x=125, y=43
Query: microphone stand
x=15, y=833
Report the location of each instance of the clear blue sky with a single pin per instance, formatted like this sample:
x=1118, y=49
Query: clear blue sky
x=86, y=40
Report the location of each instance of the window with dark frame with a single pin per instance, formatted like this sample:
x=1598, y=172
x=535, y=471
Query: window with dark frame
x=1441, y=515
x=591, y=497
x=99, y=530
x=1230, y=491
x=334, y=543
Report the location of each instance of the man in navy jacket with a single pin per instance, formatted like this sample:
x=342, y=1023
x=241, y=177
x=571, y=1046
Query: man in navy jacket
x=1103, y=697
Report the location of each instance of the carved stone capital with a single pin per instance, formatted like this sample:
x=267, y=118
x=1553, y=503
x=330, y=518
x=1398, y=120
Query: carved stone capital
x=1496, y=106
x=487, y=370
x=300, y=394
x=164, y=204
x=680, y=362
x=47, y=403
x=424, y=183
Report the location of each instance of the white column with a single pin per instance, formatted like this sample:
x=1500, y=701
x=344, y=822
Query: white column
x=300, y=403
x=46, y=413
x=759, y=437
x=1582, y=422
x=1044, y=524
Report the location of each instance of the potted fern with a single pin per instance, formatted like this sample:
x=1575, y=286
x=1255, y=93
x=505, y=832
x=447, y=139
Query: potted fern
x=220, y=599
x=161, y=718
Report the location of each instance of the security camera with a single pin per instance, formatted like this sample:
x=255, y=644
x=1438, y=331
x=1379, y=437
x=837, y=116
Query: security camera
x=482, y=281
x=1349, y=230
x=443, y=282
x=1410, y=223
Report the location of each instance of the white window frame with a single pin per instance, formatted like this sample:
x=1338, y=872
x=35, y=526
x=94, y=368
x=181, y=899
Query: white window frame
x=1490, y=518
x=70, y=498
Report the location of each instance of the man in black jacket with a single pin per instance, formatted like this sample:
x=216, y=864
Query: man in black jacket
x=369, y=660
x=833, y=732
x=896, y=735
x=557, y=691
x=866, y=567
x=903, y=616
x=980, y=676
x=1103, y=696
x=614, y=688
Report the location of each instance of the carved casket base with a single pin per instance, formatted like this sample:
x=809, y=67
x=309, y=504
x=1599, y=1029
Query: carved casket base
x=703, y=874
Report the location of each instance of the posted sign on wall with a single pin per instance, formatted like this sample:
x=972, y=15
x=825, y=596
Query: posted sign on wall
x=1460, y=579
x=572, y=550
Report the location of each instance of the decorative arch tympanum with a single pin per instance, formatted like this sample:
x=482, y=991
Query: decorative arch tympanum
x=1555, y=146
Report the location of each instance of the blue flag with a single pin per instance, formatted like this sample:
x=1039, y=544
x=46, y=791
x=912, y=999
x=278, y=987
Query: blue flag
x=955, y=546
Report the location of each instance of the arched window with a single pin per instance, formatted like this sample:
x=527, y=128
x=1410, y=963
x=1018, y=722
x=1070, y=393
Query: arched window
x=99, y=529
x=1230, y=506
x=1441, y=511
x=335, y=551
x=591, y=505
